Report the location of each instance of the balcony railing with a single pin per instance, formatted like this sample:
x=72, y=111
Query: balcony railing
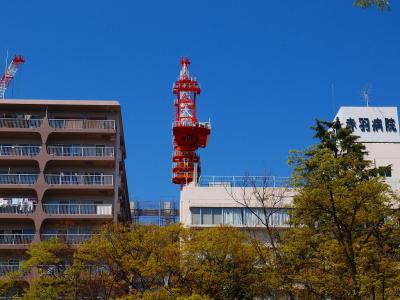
x=19, y=150
x=62, y=179
x=244, y=181
x=83, y=151
x=7, y=268
x=78, y=209
x=61, y=268
x=18, y=178
x=67, y=238
x=15, y=239
x=20, y=123
x=81, y=124
x=17, y=209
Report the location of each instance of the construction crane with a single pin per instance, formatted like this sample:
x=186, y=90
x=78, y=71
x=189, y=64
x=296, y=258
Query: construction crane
x=189, y=134
x=10, y=74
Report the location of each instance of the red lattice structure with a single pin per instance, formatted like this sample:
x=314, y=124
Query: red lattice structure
x=189, y=134
x=10, y=74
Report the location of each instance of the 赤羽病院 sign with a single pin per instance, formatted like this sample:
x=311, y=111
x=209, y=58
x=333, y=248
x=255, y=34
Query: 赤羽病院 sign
x=372, y=124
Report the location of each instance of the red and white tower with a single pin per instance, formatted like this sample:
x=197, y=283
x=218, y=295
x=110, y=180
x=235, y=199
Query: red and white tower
x=9, y=74
x=189, y=134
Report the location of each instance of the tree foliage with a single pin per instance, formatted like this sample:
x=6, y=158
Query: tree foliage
x=381, y=4
x=145, y=262
x=345, y=240
x=139, y=259
x=220, y=263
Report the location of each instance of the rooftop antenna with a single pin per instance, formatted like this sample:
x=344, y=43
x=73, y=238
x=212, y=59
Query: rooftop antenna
x=366, y=95
x=333, y=97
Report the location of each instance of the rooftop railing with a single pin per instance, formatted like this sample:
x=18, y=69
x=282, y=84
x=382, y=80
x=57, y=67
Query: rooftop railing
x=73, y=239
x=20, y=123
x=6, y=150
x=78, y=209
x=243, y=181
x=15, y=239
x=77, y=179
x=83, y=151
x=81, y=124
x=18, y=178
x=261, y=181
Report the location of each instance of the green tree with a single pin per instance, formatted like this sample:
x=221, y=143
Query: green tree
x=47, y=264
x=221, y=264
x=140, y=260
x=381, y=4
x=270, y=197
x=345, y=240
x=12, y=285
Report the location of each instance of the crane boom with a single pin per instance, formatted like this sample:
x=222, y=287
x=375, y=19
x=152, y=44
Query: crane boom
x=9, y=74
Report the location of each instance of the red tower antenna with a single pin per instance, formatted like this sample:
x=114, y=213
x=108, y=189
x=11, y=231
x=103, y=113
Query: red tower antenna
x=189, y=134
x=9, y=74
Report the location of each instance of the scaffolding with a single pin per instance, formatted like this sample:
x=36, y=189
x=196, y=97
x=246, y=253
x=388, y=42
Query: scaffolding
x=161, y=213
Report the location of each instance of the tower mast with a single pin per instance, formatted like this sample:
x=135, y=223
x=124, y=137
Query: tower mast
x=189, y=134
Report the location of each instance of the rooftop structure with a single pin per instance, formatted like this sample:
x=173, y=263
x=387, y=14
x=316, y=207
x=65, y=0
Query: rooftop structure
x=160, y=213
x=62, y=173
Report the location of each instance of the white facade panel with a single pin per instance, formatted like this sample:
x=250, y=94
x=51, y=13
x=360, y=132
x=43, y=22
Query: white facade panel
x=372, y=124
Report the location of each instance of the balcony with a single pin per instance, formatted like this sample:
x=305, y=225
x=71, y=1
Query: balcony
x=83, y=151
x=77, y=179
x=81, y=124
x=61, y=268
x=27, y=179
x=7, y=268
x=7, y=150
x=17, y=206
x=73, y=239
x=78, y=209
x=20, y=123
x=16, y=239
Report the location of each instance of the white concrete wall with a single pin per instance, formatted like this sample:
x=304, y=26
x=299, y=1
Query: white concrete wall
x=383, y=154
x=196, y=196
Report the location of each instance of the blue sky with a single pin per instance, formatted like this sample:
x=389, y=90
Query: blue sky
x=266, y=69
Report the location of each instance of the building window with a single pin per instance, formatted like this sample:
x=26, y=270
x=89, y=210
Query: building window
x=239, y=216
x=385, y=171
x=228, y=216
x=217, y=215
x=196, y=216
x=206, y=216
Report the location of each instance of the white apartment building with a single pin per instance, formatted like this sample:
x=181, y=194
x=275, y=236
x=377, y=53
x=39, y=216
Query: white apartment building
x=231, y=200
